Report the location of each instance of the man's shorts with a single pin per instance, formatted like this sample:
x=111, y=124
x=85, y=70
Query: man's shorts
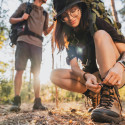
x=25, y=51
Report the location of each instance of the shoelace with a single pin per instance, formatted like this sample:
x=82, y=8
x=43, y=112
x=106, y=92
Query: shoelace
x=107, y=96
x=94, y=102
x=117, y=93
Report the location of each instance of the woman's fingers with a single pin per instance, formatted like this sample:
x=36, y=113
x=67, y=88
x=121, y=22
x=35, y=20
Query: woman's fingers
x=107, y=78
x=112, y=79
x=93, y=85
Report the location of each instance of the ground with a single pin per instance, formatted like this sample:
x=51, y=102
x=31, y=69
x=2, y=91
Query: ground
x=72, y=113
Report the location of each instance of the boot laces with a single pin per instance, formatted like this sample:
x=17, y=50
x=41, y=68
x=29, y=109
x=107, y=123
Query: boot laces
x=108, y=97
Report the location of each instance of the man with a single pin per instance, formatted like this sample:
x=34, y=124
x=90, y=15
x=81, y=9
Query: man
x=30, y=47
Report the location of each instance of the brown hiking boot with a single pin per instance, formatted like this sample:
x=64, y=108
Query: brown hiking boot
x=94, y=97
x=16, y=104
x=109, y=109
x=38, y=105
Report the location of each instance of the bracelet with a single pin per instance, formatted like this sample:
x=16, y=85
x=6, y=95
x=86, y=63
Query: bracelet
x=84, y=76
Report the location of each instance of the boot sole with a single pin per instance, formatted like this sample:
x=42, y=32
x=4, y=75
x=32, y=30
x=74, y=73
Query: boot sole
x=103, y=118
x=15, y=110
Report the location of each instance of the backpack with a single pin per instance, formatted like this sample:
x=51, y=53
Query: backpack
x=97, y=8
x=21, y=28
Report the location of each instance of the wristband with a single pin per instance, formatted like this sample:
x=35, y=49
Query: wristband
x=122, y=63
x=84, y=76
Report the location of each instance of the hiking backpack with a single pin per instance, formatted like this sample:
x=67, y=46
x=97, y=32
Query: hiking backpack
x=21, y=28
x=97, y=8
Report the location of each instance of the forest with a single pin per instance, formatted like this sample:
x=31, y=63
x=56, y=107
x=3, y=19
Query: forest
x=65, y=107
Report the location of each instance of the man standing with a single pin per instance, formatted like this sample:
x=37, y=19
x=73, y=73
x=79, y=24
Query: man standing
x=30, y=47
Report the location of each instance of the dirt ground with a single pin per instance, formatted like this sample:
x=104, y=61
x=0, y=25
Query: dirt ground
x=66, y=114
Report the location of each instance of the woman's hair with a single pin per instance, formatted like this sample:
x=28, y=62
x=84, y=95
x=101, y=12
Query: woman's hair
x=62, y=31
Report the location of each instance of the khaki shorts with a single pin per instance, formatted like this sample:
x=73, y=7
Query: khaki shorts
x=25, y=51
x=122, y=83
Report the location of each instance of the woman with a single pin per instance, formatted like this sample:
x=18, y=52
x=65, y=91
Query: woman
x=75, y=30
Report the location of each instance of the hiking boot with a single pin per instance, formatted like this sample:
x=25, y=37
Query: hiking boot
x=109, y=108
x=16, y=104
x=38, y=105
x=94, y=97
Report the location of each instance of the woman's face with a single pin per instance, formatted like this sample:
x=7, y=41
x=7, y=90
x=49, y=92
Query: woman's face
x=72, y=16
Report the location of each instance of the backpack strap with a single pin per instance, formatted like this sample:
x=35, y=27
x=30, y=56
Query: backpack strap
x=29, y=32
x=26, y=29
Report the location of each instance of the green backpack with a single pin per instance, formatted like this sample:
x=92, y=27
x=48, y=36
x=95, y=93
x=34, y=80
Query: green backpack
x=97, y=8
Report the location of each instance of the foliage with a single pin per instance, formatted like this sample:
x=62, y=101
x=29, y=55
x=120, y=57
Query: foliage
x=6, y=91
x=3, y=27
x=3, y=67
x=48, y=93
x=122, y=93
x=122, y=11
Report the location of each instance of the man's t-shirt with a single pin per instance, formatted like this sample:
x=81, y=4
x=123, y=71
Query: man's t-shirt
x=37, y=23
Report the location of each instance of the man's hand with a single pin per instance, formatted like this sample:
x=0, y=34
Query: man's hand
x=91, y=83
x=114, y=76
x=25, y=16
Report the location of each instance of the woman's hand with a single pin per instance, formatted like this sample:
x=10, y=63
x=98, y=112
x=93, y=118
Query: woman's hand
x=91, y=83
x=114, y=76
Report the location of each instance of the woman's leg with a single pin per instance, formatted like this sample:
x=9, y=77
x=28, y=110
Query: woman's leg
x=106, y=52
x=64, y=78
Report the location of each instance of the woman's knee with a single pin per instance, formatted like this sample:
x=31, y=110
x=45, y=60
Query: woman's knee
x=100, y=35
x=53, y=75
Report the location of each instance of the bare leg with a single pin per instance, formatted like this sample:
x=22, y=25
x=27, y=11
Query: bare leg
x=65, y=79
x=106, y=52
x=18, y=82
x=36, y=85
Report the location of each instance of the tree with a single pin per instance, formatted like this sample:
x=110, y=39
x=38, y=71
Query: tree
x=114, y=12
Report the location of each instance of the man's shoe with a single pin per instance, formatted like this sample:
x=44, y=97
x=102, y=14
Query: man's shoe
x=109, y=109
x=16, y=104
x=38, y=105
x=94, y=97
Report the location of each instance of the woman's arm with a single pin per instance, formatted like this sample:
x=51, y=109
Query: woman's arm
x=76, y=69
x=117, y=71
x=91, y=80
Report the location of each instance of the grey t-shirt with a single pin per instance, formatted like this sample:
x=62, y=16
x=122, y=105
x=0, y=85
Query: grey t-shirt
x=37, y=23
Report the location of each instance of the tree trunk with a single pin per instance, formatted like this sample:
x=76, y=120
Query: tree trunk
x=52, y=46
x=114, y=12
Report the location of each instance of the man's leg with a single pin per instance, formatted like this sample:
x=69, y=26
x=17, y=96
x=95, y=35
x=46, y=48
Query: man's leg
x=107, y=54
x=18, y=82
x=36, y=85
x=17, y=89
x=36, y=58
x=21, y=57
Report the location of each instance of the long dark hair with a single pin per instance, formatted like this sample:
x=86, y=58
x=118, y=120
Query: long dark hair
x=62, y=31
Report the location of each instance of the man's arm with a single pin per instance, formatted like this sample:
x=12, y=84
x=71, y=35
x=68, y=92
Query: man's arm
x=47, y=31
x=19, y=15
x=20, y=19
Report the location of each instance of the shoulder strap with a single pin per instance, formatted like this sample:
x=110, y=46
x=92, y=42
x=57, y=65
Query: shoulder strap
x=28, y=8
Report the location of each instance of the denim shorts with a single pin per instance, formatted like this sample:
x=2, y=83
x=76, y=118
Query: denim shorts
x=79, y=51
x=25, y=51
